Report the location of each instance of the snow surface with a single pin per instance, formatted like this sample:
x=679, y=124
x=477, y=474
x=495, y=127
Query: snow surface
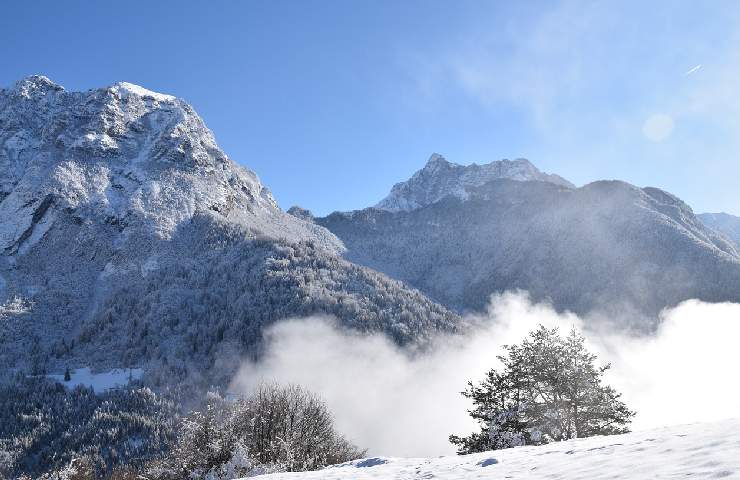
x=131, y=89
x=100, y=382
x=705, y=450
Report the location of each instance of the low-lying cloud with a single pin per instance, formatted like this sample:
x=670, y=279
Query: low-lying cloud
x=400, y=404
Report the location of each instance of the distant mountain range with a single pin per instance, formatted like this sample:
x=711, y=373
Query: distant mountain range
x=128, y=238
x=440, y=179
x=460, y=233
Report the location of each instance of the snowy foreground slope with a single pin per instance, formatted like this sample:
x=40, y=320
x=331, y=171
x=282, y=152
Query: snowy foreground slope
x=706, y=450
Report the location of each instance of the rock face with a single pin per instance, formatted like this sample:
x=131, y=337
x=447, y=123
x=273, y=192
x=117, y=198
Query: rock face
x=117, y=213
x=301, y=213
x=440, y=178
x=138, y=158
x=607, y=247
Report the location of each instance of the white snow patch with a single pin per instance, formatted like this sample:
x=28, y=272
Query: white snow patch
x=96, y=141
x=125, y=88
x=14, y=306
x=705, y=450
x=100, y=382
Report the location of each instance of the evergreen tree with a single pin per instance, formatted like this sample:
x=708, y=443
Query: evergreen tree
x=549, y=389
x=46, y=428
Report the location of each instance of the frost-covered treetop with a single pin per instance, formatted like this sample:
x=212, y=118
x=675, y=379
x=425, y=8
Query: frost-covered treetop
x=440, y=178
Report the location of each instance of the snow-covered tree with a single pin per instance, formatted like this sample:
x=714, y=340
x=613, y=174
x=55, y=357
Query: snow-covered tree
x=277, y=428
x=46, y=428
x=548, y=389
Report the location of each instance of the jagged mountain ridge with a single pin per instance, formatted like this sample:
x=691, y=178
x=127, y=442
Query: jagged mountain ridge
x=440, y=178
x=607, y=247
x=119, y=200
x=124, y=152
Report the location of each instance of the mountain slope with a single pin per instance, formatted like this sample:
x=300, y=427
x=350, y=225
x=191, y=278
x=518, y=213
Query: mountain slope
x=704, y=450
x=608, y=246
x=120, y=218
x=723, y=223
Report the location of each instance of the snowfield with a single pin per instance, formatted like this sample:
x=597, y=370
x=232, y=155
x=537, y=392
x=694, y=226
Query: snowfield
x=706, y=450
x=99, y=382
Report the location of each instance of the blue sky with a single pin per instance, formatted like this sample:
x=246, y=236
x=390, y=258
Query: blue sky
x=332, y=102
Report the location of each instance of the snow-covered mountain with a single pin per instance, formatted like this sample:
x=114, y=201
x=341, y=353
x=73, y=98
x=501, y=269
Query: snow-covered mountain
x=440, y=178
x=702, y=450
x=140, y=159
x=127, y=236
x=723, y=223
x=609, y=246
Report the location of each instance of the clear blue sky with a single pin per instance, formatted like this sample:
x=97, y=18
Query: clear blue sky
x=332, y=102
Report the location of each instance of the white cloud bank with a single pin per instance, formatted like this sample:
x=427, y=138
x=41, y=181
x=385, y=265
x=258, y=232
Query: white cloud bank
x=402, y=405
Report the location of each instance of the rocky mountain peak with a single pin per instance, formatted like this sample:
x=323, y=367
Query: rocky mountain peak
x=302, y=213
x=36, y=85
x=440, y=178
x=436, y=160
x=122, y=154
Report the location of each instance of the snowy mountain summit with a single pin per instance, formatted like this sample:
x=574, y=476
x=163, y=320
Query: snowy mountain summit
x=460, y=233
x=440, y=178
x=134, y=156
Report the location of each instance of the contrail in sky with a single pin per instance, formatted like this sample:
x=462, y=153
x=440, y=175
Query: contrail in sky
x=692, y=70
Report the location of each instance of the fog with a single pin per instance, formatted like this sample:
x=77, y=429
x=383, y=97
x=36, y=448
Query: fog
x=400, y=404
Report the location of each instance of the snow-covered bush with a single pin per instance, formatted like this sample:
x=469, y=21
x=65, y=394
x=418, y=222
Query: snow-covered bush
x=277, y=428
x=549, y=389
